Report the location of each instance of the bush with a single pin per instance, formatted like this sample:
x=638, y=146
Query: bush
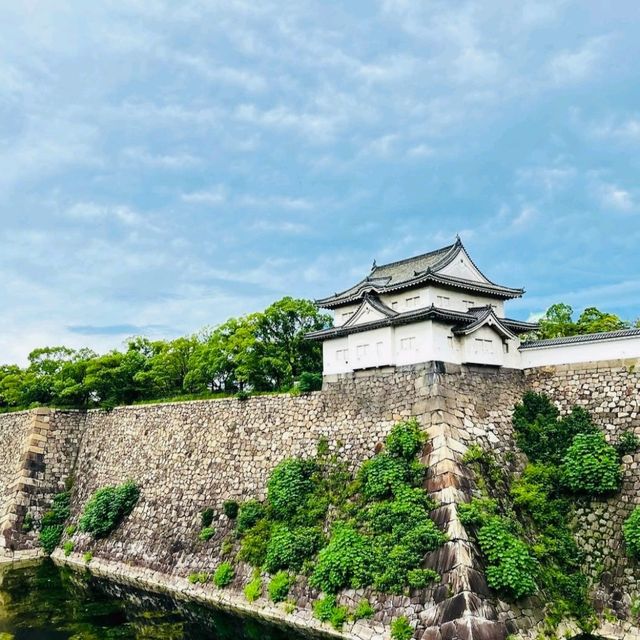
x=289, y=548
x=242, y=395
x=363, y=610
x=68, y=547
x=406, y=440
x=50, y=537
x=198, y=578
x=253, y=590
x=253, y=548
x=206, y=534
x=327, y=610
x=511, y=568
x=381, y=475
x=631, y=531
x=230, y=509
x=310, y=382
x=401, y=629
x=248, y=514
x=477, y=512
x=223, y=575
x=289, y=487
x=420, y=578
x=628, y=443
x=206, y=517
x=59, y=511
x=279, y=586
x=87, y=557
x=107, y=507
x=591, y=466
x=345, y=562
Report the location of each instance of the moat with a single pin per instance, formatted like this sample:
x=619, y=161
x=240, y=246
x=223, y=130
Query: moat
x=46, y=602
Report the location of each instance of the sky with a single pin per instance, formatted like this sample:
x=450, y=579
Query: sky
x=166, y=165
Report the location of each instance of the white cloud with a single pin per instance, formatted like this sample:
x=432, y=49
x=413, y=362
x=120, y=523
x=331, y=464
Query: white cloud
x=615, y=197
x=576, y=65
x=214, y=196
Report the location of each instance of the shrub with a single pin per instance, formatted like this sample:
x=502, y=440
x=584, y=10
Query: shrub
x=511, y=568
x=477, y=512
x=289, y=548
x=206, y=517
x=70, y=530
x=242, y=395
x=107, y=507
x=345, y=562
x=206, y=534
x=253, y=590
x=68, y=547
x=279, y=586
x=289, y=606
x=87, y=557
x=363, y=610
x=327, y=610
x=401, y=629
x=198, y=578
x=631, y=531
x=253, y=548
x=59, y=511
x=591, y=466
x=420, y=578
x=310, y=382
x=230, y=509
x=50, y=537
x=223, y=575
x=383, y=473
x=628, y=443
x=289, y=486
x=248, y=514
x=406, y=440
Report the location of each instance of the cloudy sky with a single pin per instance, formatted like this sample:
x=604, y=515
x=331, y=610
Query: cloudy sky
x=165, y=165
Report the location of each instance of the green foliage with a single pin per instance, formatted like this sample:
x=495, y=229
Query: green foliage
x=558, y=322
x=87, y=557
x=223, y=575
x=627, y=444
x=206, y=517
x=198, y=578
x=401, y=629
x=28, y=523
x=363, y=610
x=279, y=586
x=59, y=511
x=406, y=440
x=345, y=562
x=68, y=547
x=248, y=515
x=591, y=466
x=230, y=509
x=50, y=537
x=511, y=568
x=253, y=548
x=631, y=531
x=327, y=610
x=383, y=473
x=253, y=589
x=310, y=381
x=289, y=548
x=107, y=507
x=289, y=487
x=242, y=395
x=541, y=433
x=420, y=578
x=70, y=530
x=477, y=512
x=206, y=534
x=261, y=352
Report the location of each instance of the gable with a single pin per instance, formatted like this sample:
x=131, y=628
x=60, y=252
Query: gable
x=365, y=313
x=461, y=266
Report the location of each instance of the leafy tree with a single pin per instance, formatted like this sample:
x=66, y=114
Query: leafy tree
x=592, y=320
x=558, y=322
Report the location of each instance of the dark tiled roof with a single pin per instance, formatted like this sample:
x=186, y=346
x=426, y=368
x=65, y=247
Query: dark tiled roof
x=458, y=318
x=412, y=272
x=589, y=337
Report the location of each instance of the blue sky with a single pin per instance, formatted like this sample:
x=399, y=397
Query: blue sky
x=165, y=165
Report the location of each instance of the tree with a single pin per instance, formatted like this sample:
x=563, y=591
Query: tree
x=557, y=322
x=592, y=320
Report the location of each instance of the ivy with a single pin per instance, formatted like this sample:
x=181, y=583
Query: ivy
x=289, y=548
x=107, y=507
x=289, y=487
x=248, y=515
x=631, y=532
x=406, y=440
x=591, y=466
x=52, y=523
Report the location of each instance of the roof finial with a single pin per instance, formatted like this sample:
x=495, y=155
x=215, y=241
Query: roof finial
x=374, y=265
x=458, y=240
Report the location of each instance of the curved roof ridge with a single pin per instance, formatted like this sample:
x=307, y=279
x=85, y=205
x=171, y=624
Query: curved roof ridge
x=446, y=248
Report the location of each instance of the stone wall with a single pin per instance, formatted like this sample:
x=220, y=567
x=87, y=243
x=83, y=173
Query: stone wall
x=192, y=455
x=610, y=391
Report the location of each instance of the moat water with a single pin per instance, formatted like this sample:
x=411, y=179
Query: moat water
x=46, y=602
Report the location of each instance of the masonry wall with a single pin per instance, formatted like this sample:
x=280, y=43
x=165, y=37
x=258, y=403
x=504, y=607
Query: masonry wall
x=188, y=456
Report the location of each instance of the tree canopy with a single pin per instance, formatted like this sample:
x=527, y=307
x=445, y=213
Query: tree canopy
x=558, y=322
x=263, y=351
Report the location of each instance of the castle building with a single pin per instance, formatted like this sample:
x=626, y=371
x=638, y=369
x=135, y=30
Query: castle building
x=439, y=306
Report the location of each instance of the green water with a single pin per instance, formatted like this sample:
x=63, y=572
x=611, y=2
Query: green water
x=46, y=602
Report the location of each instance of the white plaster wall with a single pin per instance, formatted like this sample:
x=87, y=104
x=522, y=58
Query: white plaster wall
x=330, y=362
x=483, y=346
x=612, y=349
x=371, y=348
x=413, y=343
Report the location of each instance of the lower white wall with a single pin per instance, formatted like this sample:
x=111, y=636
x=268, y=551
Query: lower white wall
x=570, y=353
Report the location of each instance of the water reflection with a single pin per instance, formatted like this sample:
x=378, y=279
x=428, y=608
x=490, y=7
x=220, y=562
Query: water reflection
x=45, y=602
